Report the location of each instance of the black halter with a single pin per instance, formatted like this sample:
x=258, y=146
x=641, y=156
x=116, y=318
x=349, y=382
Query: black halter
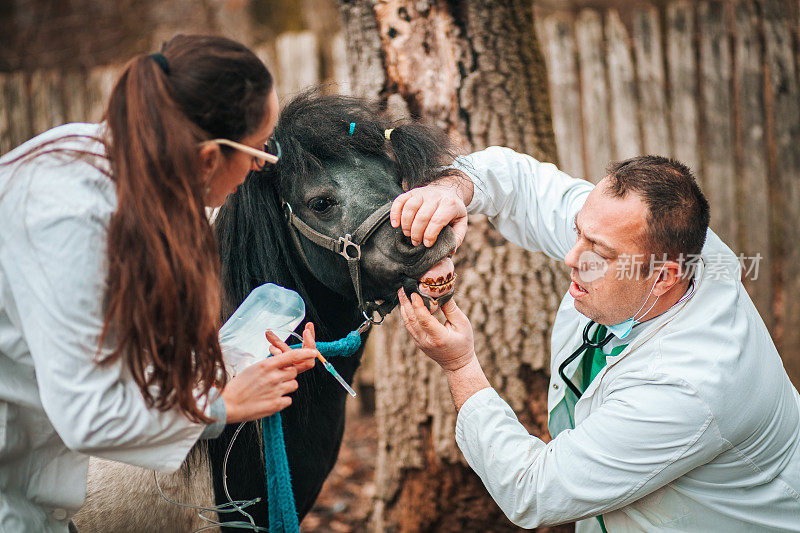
x=349, y=247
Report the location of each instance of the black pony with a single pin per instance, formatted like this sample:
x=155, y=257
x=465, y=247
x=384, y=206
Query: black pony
x=339, y=164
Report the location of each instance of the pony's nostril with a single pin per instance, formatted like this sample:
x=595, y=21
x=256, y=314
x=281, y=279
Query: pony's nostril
x=406, y=241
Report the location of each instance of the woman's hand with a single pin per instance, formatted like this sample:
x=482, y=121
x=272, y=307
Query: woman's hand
x=451, y=345
x=423, y=212
x=262, y=389
x=279, y=347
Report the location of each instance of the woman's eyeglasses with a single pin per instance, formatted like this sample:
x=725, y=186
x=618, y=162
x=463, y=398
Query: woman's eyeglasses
x=270, y=154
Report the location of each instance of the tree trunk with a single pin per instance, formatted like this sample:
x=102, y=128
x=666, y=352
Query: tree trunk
x=473, y=68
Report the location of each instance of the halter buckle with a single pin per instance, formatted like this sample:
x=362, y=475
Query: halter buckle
x=371, y=320
x=346, y=244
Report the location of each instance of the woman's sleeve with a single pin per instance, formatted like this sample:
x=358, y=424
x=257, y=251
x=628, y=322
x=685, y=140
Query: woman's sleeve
x=532, y=204
x=55, y=267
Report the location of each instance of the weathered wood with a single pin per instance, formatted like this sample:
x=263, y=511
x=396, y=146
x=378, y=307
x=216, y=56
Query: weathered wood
x=682, y=75
x=626, y=136
x=17, y=102
x=46, y=104
x=712, y=108
x=5, y=117
x=717, y=140
x=363, y=49
x=322, y=18
x=76, y=97
x=560, y=53
x=650, y=79
x=298, y=68
x=341, y=74
x=784, y=97
x=594, y=94
x=752, y=212
x=267, y=54
x=476, y=72
x=99, y=86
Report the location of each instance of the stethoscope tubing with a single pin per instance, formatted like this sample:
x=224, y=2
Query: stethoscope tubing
x=587, y=343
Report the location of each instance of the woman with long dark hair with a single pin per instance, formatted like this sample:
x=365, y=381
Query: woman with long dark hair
x=109, y=279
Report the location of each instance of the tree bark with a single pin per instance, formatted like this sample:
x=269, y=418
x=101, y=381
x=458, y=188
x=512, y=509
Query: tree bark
x=473, y=68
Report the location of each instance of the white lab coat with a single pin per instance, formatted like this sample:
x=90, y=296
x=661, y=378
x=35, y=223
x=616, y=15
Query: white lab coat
x=56, y=404
x=695, y=426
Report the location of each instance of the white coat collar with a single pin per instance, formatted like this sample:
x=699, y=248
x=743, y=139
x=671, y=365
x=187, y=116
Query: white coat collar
x=652, y=327
x=571, y=342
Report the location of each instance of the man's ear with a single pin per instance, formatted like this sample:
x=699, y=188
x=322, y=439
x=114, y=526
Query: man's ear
x=670, y=275
x=210, y=157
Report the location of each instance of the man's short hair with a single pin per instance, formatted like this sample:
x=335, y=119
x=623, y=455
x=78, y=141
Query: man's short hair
x=678, y=212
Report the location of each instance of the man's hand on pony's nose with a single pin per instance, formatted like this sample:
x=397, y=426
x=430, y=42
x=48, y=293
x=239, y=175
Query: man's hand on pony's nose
x=423, y=213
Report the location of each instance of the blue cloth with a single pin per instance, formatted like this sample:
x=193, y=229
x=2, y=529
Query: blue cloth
x=280, y=498
x=342, y=348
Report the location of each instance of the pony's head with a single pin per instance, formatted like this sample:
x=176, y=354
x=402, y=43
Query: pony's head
x=337, y=169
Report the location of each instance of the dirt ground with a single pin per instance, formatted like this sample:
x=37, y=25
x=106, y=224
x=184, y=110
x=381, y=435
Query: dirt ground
x=344, y=504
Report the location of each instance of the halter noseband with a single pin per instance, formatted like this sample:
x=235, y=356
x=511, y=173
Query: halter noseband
x=349, y=247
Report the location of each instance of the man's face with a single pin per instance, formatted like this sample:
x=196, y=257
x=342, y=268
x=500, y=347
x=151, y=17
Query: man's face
x=607, y=284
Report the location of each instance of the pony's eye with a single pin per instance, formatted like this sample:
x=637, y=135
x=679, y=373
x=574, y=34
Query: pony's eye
x=321, y=204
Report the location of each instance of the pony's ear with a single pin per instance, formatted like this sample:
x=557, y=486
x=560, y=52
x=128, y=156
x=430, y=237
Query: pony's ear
x=419, y=152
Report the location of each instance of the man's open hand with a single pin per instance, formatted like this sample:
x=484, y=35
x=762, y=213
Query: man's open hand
x=451, y=345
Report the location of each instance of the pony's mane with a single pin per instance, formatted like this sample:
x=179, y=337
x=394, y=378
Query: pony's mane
x=313, y=131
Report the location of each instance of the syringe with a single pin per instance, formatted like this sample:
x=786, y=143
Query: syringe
x=330, y=368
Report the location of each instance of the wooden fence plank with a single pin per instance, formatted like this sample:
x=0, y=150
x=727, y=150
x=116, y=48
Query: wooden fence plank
x=267, y=54
x=753, y=213
x=39, y=105
x=5, y=117
x=558, y=45
x=47, y=100
x=98, y=89
x=785, y=96
x=717, y=141
x=76, y=99
x=626, y=137
x=298, y=68
x=682, y=75
x=341, y=73
x=594, y=94
x=16, y=97
x=650, y=77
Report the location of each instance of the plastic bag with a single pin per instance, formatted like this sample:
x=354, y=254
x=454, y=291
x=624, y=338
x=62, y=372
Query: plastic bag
x=267, y=307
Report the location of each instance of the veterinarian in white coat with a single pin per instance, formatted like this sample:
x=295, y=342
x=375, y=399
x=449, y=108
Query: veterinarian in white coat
x=103, y=226
x=686, y=421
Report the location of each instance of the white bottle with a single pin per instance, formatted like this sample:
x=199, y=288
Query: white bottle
x=243, y=336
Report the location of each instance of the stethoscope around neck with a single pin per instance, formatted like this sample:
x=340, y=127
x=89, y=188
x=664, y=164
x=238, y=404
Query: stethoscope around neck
x=587, y=343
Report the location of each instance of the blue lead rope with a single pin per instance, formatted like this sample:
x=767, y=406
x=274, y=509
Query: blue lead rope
x=280, y=499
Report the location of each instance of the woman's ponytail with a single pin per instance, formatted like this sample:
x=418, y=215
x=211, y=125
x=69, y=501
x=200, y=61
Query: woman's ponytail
x=163, y=295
